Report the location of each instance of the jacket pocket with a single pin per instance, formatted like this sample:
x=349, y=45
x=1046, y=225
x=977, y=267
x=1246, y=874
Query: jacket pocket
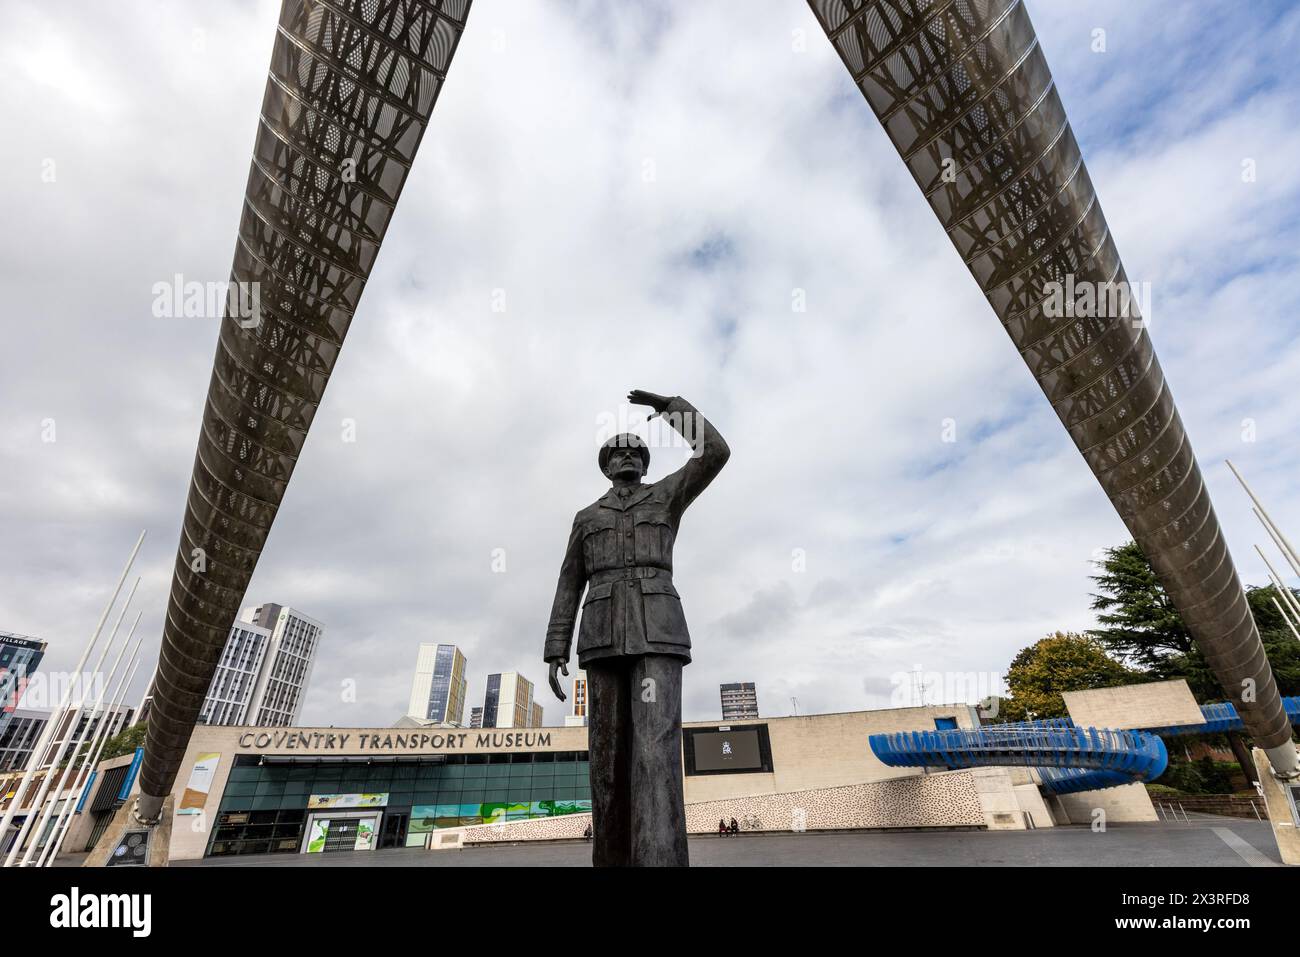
x=597, y=627
x=665, y=621
x=658, y=586
x=654, y=542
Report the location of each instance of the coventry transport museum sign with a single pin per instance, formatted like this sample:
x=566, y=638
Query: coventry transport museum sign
x=417, y=741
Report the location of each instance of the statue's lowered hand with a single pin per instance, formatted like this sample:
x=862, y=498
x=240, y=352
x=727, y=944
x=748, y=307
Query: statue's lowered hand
x=558, y=665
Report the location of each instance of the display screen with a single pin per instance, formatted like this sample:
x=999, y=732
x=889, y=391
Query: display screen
x=727, y=750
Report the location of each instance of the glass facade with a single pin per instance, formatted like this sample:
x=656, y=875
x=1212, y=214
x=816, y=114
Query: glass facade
x=264, y=807
x=19, y=658
x=490, y=701
x=447, y=686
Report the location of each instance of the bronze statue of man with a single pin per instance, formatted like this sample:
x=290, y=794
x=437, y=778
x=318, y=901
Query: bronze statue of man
x=633, y=640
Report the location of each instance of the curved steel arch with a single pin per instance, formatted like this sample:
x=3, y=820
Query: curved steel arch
x=965, y=95
x=348, y=97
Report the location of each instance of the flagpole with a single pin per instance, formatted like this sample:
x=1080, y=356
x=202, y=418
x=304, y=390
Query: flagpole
x=43, y=740
x=95, y=746
x=85, y=719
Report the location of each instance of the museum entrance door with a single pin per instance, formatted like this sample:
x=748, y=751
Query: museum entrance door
x=340, y=831
x=393, y=833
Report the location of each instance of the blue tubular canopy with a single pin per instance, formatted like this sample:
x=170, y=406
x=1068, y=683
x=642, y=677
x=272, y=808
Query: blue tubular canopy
x=1221, y=717
x=1069, y=759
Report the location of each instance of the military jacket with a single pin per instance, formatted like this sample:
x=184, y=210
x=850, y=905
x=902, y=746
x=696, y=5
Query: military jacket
x=621, y=551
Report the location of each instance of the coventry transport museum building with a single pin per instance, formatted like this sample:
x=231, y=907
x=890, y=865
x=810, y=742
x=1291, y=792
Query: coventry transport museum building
x=249, y=790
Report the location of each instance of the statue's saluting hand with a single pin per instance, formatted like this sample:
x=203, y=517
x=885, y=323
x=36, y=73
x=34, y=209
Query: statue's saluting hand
x=656, y=402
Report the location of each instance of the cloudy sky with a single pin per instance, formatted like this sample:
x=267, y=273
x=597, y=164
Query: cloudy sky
x=645, y=186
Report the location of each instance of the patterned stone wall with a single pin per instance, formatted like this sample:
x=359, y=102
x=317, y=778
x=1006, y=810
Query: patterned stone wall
x=933, y=800
x=566, y=826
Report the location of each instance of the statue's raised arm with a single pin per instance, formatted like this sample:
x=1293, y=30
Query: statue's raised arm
x=709, y=450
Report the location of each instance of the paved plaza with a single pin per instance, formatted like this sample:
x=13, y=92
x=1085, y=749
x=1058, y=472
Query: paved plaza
x=1204, y=842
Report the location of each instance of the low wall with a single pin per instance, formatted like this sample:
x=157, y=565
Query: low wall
x=1125, y=804
x=950, y=799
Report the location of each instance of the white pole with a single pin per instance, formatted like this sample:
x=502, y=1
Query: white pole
x=1287, y=548
x=72, y=720
x=1277, y=583
x=1287, y=596
x=43, y=741
x=148, y=690
x=1286, y=619
x=118, y=721
x=96, y=745
x=69, y=774
x=1277, y=587
x=1276, y=541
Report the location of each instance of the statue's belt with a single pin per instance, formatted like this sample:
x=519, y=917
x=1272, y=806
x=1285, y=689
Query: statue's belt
x=623, y=574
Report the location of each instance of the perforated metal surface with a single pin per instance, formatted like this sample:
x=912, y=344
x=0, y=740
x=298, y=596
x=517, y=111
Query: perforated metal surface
x=962, y=88
x=352, y=84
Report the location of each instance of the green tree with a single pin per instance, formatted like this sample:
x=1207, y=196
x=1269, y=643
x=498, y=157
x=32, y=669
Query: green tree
x=125, y=741
x=1141, y=624
x=1141, y=627
x=1061, y=662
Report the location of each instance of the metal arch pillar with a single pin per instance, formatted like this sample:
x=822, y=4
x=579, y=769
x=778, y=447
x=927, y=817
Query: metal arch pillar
x=965, y=95
x=351, y=86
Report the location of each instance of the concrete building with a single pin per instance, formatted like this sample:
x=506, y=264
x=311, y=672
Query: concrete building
x=536, y=719
x=577, y=717
x=281, y=686
x=508, y=701
x=264, y=669
x=316, y=790
x=231, y=691
x=739, y=701
x=438, y=687
x=297, y=790
x=26, y=724
x=22, y=727
x=20, y=656
x=476, y=717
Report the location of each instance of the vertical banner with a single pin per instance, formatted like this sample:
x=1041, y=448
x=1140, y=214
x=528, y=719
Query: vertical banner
x=365, y=839
x=90, y=783
x=320, y=831
x=124, y=791
x=196, y=792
